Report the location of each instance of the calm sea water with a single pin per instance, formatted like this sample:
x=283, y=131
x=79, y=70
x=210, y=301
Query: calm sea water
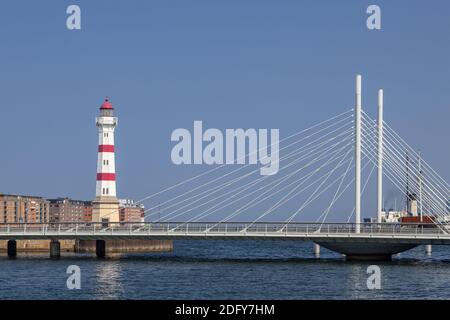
x=227, y=270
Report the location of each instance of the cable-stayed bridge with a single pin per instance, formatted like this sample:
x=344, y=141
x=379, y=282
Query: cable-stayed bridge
x=324, y=172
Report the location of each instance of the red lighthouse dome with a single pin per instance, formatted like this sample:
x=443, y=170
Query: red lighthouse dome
x=106, y=105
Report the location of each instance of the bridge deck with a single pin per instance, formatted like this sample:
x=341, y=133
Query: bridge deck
x=379, y=233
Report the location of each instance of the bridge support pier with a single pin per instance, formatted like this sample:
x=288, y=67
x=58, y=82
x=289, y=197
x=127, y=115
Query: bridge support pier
x=428, y=249
x=100, y=248
x=364, y=250
x=55, y=249
x=12, y=248
x=316, y=249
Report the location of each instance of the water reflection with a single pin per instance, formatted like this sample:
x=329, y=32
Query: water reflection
x=356, y=280
x=228, y=270
x=109, y=279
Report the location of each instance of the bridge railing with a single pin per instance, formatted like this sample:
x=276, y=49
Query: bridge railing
x=245, y=228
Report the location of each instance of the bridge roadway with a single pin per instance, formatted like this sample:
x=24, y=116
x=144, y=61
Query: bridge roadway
x=407, y=234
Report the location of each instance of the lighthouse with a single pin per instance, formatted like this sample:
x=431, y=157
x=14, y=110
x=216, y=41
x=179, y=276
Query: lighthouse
x=106, y=206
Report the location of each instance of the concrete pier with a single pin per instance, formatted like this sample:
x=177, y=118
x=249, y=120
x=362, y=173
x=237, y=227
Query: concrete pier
x=125, y=246
x=55, y=249
x=428, y=249
x=100, y=248
x=316, y=249
x=366, y=251
x=12, y=248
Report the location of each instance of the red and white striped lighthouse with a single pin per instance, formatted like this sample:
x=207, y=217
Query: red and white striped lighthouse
x=106, y=206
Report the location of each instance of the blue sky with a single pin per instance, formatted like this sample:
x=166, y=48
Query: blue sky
x=164, y=64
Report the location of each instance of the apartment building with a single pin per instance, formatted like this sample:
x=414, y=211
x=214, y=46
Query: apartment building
x=69, y=210
x=23, y=209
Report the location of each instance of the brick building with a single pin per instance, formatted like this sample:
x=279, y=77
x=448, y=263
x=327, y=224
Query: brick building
x=130, y=211
x=32, y=209
x=68, y=210
x=23, y=209
x=87, y=214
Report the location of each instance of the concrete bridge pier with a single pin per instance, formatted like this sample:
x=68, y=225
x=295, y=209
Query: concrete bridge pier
x=100, y=248
x=55, y=249
x=12, y=248
x=365, y=250
x=316, y=249
x=428, y=249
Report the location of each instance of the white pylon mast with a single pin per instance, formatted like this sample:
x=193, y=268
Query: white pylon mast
x=358, y=155
x=380, y=156
x=420, y=187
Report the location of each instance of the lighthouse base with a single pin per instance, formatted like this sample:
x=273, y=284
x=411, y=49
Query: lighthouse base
x=105, y=209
